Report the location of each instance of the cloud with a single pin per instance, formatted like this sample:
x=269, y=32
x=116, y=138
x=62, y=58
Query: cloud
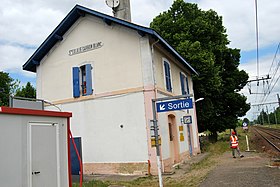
x=239, y=20
x=12, y=57
x=144, y=11
x=259, y=89
x=24, y=25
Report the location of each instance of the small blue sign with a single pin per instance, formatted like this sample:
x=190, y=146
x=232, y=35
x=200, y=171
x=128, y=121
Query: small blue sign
x=187, y=119
x=174, y=105
x=244, y=124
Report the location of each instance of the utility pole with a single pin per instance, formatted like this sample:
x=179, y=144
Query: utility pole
x=275, y=116
x=157, y=142
x=262, y=117
x=278, y=99
x=258, y=82
x=268, y=116
x=156, y=129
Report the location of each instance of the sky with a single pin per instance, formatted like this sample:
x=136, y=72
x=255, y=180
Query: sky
x=25, y=24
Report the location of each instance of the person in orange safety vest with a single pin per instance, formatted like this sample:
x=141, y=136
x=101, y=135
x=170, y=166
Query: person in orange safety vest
x=234, y=145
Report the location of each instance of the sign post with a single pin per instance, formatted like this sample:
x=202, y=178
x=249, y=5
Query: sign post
x=179, y=104
x=157, y=143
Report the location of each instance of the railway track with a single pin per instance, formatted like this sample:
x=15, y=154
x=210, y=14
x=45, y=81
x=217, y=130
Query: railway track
x=270, y=135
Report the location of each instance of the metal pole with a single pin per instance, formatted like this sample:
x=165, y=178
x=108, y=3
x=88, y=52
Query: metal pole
x=156, y=129
x=262, y=117
x=275, y=116
x=278, y=99
x=157, y=144
x=173, y=97
x=248, y=149
x=268, y=116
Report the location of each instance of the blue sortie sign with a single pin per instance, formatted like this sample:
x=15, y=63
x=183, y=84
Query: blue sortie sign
x=174, y=105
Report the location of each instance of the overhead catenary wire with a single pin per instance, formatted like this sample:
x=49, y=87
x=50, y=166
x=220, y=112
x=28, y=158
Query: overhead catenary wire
x=275, y=55
x=257, y=36
x=257, y=42
x=274, y=80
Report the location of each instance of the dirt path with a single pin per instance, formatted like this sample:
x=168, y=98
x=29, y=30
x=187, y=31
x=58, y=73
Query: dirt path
x=252, y=170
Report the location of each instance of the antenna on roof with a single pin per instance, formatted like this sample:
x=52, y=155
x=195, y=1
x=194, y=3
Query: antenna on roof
x=121, y=9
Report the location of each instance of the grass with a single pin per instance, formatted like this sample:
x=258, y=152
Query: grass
x=272, y=126
x=191, y=177
x=93, y=183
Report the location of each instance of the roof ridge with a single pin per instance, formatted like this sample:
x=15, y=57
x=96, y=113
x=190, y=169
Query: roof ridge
x=75, y=13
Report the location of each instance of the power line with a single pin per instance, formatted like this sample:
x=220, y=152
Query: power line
x=274, y=58
x=270, y=87
x=257, y=35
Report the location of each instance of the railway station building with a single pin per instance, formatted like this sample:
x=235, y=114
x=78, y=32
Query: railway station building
x=106, y=71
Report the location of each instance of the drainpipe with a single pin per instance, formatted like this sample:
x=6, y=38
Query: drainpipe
x=155, y=118
x=154, y=72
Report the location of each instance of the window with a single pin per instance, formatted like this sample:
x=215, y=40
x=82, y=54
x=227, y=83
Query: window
x=184, y=84
x=82, y=80
x=167, y=75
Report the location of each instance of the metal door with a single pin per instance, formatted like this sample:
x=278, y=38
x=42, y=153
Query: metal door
x=75, y=164
x=44, y=155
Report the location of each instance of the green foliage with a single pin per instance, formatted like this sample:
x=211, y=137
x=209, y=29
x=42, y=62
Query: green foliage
x=271, y=118
x=190, y=175
x=200, y=37
x=28, y=91
x=7, y=87
x=93, y=183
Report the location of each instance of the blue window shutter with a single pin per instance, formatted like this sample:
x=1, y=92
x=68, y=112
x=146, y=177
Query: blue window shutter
x=182, y=83
x=187, y=84
x=167, y=76
x=76, y=82
x=88, y=79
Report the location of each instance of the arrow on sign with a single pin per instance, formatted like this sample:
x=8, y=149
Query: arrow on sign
x=180, y=104
x=162, y=107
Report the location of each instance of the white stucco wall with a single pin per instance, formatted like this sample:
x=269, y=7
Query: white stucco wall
x=164, y=130
x=176, y=90
x=164, y=133
x=175, y=72
x=98, y=123
x=124, y=62
x=116, y=65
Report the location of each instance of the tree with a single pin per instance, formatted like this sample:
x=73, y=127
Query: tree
x=262, y=118
x=200, y=37
x=28, y=91
x=7, y=86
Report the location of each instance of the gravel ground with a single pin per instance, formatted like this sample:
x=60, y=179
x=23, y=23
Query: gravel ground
x=252, y=170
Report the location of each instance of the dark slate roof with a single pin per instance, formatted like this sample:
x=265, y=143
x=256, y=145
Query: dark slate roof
x=73, y=16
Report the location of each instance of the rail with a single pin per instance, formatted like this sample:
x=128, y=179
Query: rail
x=272, y=136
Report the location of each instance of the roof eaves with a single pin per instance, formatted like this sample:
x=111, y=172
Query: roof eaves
x=51, y=40
x=175, y=52
x=64, y=25
x=71, y=18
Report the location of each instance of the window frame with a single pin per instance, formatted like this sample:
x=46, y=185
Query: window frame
x=185, y=78
x=85, y=74
x=167, y=84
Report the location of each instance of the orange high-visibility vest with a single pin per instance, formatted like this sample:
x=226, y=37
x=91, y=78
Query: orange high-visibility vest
x=233, y=141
